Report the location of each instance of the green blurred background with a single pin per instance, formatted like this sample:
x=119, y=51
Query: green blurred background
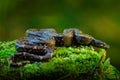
x=99, y=18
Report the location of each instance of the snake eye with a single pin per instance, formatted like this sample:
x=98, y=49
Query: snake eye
x=101, y=45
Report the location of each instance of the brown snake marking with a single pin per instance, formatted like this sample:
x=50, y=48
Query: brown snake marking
x=38, y=45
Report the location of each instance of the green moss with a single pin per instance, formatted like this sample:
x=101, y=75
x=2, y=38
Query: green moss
x=67, y=63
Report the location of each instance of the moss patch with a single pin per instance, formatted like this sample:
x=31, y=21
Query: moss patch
x=67, y=63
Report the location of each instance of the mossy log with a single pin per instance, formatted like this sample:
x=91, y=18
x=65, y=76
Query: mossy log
x=67, y=63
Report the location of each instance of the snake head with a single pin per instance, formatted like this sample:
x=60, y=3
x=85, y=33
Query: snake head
x=100, y=44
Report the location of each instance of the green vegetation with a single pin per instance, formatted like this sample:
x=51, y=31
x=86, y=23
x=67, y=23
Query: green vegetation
x=67, y=63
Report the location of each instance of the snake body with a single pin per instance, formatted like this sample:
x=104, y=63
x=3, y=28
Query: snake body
x=38, y=44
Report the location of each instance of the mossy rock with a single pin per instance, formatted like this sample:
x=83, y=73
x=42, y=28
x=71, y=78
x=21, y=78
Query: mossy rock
x=67, y=63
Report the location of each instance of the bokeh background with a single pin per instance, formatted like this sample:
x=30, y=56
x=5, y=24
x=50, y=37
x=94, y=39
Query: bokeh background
x=99, y=18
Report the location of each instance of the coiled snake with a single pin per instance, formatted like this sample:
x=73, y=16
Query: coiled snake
x=38, y=44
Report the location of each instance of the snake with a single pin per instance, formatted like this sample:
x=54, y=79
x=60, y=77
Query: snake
x=39, y=44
